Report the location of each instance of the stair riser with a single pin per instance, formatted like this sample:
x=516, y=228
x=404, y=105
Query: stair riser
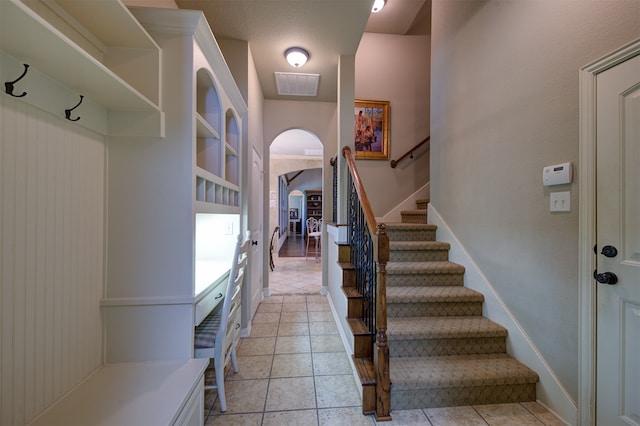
x=411, y=235
x=418, y=255
x=416, y=280
x=435, y=309
x=413, y=218
x=450, y=397
x=354, y=308
x=362, y=347
x=439, y=347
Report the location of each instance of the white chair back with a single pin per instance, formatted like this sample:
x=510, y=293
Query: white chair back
x=312, y=225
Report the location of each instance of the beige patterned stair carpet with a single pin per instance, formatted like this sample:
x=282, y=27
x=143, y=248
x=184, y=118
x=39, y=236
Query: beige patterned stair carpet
x=443, y=351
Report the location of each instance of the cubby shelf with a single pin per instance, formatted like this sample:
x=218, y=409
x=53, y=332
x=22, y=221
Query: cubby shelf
x=212, y=189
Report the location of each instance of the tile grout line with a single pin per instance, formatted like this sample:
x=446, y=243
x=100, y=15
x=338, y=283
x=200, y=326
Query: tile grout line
x=273, y=358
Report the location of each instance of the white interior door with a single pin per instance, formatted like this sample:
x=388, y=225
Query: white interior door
x=618, y=245
x=255, y=221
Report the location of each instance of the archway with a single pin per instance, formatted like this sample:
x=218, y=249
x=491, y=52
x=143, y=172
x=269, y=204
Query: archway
x=295, y=166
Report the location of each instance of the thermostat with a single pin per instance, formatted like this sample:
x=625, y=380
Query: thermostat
x=556, y=175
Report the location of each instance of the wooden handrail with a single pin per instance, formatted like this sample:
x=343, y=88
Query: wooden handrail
x=366, y=206
x=394, y=163
x=380, y=258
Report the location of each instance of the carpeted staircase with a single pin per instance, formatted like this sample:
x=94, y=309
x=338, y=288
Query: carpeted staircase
x=443, y=351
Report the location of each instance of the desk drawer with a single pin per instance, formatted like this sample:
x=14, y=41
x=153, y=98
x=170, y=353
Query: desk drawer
x=208, y=303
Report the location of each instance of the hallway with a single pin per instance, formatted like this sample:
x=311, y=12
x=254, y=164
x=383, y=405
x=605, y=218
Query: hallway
x=294, y=370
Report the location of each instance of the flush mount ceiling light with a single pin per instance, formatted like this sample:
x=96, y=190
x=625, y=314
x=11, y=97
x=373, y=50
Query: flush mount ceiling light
x=296, y=56
x=378, y=5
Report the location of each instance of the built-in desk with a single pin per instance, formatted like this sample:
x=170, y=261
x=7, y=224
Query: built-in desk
x=149, y=393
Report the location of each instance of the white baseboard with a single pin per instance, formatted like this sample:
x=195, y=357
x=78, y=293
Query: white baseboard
x=408, y=204
x=550, y=391
x=345, y=344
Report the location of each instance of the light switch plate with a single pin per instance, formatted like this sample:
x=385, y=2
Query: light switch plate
x=228, y=228
x=560, y=201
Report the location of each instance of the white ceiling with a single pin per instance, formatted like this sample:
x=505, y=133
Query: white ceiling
x=326, y=28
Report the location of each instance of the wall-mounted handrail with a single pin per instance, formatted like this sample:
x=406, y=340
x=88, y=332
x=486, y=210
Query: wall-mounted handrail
x=409, y=153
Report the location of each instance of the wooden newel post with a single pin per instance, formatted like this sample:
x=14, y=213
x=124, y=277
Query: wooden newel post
x=381, y=352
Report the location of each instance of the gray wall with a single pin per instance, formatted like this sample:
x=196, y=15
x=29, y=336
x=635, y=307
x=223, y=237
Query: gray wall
x=504, y=104
x=395, y=68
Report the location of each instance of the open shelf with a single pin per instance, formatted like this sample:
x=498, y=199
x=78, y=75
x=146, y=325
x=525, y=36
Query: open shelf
x=314, y=204
x=31, y=39
x=204, y=129
x=208, y=101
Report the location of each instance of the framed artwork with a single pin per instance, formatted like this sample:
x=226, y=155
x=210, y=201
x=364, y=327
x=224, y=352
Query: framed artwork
x=293, y=213
x=371, y=130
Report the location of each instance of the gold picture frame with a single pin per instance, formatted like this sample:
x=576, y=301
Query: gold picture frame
x=371, y=129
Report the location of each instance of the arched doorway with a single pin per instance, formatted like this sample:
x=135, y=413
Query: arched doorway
x=295, y=167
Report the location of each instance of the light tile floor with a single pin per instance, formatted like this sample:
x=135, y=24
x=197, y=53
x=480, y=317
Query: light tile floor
x=295, y=275
x=293, y=369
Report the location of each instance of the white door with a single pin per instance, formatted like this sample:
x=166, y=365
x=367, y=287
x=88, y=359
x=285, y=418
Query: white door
x=618, y=245
x=255, y=221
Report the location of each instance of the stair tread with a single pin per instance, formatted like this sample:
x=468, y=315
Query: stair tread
x=433, y=294
x=366, y=371
x=351, y=292
x=346, y=265
x=457, y=327
x=431, y=267
x=358, y=327
x=418, y=245
x=458, y=371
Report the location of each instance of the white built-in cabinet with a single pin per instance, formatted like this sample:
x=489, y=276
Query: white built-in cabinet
x=160, y=100
x=174, y=202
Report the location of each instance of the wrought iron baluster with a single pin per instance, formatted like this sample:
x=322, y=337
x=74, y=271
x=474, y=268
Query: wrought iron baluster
x=362, y=256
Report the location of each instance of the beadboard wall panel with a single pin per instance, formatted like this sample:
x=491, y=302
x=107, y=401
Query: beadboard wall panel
x=51, y=257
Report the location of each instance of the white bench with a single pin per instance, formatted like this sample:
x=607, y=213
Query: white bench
x=148, y=393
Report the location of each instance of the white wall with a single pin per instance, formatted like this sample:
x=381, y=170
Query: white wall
x=395, y=68
x=504, y=104
x=51, y=257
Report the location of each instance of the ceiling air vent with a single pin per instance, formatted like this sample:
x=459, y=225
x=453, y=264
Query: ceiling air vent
x=297, y=84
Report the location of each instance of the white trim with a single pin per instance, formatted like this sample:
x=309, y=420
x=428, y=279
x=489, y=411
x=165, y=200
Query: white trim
x=345, y=343
x=587, y=228
x=549, y=390
x=147, y=301
x=394, y=215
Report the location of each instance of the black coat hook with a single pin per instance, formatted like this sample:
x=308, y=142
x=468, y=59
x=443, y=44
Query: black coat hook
x=67, y=112
x=9, y=85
